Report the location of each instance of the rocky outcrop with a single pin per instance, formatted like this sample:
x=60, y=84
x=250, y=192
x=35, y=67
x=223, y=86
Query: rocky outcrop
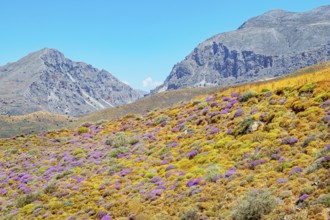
x=267, y=46
x=45, y=80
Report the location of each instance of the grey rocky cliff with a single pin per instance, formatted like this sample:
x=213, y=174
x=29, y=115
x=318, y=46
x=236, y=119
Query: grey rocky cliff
x=267, y=46
x=47, y=81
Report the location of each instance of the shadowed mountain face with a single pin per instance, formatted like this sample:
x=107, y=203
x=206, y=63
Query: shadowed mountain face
x=270, y=45
x=45, y=80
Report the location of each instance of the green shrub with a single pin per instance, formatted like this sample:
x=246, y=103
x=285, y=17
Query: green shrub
x=115, y=168
x=117, y=140
x=83, y=130
x=250, y=178
x=256, y=204
x=50, y=188
x=311, y=169
x=322, y=97
x=190, y=214
x=264, y=90
x=121, y=139
x=27, y=199
x=10, y=216
x=317, y=164
x=307, y=190
x=133, y=141
x=149, y=175
x=308, y=88
x=65, y=173
x=324, y=200
x=68, y=203
x=283, y=166
x=78, y=151
x=13, y=150
x=246, y=96
x=243, y=126
x=115, y=152
x=307, y=141
x=322, y=153
x=32, y=152
x=202, y=105
x=160, y=119
x=212, y=172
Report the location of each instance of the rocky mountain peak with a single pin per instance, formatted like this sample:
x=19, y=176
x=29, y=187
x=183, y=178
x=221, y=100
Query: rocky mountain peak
x=266, y=46
x=46, y=80
x=282, y=18
x=265, y=20
x=49, y=55
x=45, y=52
x=48, y=51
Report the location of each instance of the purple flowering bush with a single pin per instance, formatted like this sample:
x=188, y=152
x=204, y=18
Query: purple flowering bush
x=239, y=112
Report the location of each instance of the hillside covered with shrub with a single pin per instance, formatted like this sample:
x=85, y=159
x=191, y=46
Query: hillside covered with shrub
x=252, y=152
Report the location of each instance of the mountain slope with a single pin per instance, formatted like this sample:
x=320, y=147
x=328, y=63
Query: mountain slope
x=270, y=45
x=258, y=151
x=47, y=81
x=40, y=122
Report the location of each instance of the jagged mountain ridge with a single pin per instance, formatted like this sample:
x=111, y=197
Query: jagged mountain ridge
x=266, y=46
x=45, y=80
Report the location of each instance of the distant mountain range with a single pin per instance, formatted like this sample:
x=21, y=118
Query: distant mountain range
x=267, y=46
x=47, y=81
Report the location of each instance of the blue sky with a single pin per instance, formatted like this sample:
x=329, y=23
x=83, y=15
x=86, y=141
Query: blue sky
x=138, y=41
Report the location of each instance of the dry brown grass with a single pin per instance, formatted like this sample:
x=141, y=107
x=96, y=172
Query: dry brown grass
x=32, y=123
x=160, y=100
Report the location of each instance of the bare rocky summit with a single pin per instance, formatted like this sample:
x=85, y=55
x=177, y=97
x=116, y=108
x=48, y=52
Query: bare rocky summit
x=267, y=46
x=47, y=81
